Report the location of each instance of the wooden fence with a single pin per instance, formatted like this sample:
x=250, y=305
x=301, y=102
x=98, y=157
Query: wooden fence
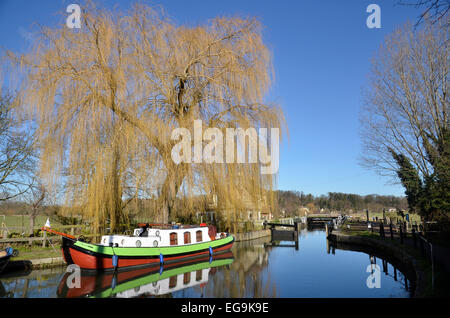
x=44, y=236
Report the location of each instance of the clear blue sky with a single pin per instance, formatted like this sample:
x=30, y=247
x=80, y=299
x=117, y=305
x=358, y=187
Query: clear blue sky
x=321, y=51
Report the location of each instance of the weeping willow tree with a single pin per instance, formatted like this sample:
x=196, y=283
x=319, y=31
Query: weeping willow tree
x=106, y=98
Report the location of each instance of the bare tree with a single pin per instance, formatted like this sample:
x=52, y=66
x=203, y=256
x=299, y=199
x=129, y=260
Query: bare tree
x=107, y=97
x=407, y=100
x=37, y=199
x=15, y=151
x=435, y=10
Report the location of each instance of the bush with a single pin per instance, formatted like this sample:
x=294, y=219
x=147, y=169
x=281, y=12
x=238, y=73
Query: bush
x=14, y=235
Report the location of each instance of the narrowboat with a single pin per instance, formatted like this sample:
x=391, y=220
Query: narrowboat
x=150, y=244
x=5, y=256
x=146, y=281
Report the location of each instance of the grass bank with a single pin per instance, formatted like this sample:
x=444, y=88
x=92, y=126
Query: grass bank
x=35, y=252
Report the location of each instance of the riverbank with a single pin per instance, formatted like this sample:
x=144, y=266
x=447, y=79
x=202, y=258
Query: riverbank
x=248, y=236
x=404, y=254
x=33, y=264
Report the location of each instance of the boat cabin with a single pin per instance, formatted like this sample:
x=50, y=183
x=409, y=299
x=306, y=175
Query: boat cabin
x=149, y=236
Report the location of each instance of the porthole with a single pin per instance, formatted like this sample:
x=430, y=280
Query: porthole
x=157, y=233
x=121, y=242
x=155, y=243
x=138, y=243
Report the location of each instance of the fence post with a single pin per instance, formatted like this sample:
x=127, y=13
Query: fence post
x=401, y=233
x=414, y=236
x=382, y=230
x=44, y=242
x=390, y=229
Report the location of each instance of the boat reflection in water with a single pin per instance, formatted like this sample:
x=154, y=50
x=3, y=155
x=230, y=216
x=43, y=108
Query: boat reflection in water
x=144, y=282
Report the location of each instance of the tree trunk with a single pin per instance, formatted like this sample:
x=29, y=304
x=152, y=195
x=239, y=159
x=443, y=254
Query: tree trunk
x=169, y=190
x=167, y=200
x=116, y=212
x=32, y=221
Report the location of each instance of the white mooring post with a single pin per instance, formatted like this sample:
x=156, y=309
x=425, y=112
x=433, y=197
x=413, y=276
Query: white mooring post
x=44, y=241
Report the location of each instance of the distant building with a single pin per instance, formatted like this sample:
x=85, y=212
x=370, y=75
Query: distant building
x=303, y=211
x=266, y=216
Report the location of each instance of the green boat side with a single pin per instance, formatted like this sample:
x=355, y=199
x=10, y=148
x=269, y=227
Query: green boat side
x=153, y=251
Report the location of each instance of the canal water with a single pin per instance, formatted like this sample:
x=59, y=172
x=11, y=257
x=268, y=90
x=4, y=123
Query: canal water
x=258, y=268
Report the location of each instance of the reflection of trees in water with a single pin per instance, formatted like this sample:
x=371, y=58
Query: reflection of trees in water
x=2, y=290
x=400, y=272
x=245, y=277
x=37, y=283
x=394, y=273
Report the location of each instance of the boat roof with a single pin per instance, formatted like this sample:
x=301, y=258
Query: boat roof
x=172, y=226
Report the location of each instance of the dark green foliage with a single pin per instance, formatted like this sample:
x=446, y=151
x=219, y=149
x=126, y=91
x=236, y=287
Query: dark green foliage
x=185, y=219
x=66, y=220
x=430, y=197
x=409, y=178
x=436, y=192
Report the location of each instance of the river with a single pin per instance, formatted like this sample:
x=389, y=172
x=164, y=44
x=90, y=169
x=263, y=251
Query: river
x=252, y=269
